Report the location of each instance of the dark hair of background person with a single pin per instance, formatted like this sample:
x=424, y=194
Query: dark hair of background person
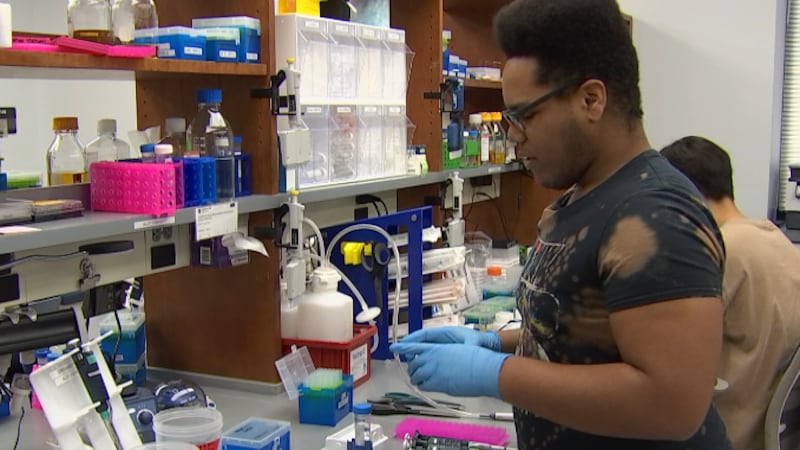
x=584, y=39
x=705, y=163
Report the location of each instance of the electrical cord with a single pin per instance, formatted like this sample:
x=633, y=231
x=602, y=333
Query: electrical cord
x=19, y=428
x=385, y=208
x=119, y=338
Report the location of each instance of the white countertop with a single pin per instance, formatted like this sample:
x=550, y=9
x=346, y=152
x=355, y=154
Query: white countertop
x=237, y=406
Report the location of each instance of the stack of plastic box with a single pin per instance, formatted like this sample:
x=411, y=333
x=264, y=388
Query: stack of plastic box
x=353, y=95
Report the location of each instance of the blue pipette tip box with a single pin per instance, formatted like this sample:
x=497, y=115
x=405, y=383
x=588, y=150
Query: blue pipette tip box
x=326, y=406
x=257, y=434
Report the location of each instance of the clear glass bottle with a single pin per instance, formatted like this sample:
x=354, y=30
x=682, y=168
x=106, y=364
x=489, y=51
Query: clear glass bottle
x=499, y=138
x=130, y=15
x=66, y=161
x=487, y=138
x=106, y=146
x=175, y=130
x=210, y=134
x=90, y=20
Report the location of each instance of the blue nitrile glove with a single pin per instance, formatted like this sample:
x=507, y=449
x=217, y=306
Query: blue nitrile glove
x=455, y=335
x=456, y=369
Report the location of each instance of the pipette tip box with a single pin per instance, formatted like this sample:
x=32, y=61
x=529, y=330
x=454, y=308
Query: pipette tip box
x=257, y=434
x=326, y=406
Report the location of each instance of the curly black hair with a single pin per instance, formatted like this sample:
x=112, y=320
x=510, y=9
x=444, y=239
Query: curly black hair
x=575, y=39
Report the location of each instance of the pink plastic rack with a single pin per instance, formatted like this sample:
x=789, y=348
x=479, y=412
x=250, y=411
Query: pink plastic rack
x=134, y=188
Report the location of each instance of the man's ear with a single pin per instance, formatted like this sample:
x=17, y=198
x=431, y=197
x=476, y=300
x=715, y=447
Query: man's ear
x=593, y=99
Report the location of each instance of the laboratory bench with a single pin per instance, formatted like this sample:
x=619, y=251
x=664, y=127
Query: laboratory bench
x=239, y=404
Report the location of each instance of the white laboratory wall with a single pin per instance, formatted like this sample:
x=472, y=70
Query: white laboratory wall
x=712, y=68
x=41, y=94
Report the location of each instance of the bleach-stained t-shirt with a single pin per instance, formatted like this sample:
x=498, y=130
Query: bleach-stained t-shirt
x=642, y=236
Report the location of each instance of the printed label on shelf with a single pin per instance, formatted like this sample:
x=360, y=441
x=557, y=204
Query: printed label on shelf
x=145, y=224
x=252, y=56
x=366, y=32
x=344, y=109
x=314, y=110
x=216, y=220
x=312, y=24
x=196, y=51
x=395, y=110
x=342, y=28
x=497, y=169
x=227, y=54
x=358, y=362
x=371, y=109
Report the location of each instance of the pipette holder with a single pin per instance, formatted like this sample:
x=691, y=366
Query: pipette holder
x=412, y=221
x=120, y=418
x=68, y=406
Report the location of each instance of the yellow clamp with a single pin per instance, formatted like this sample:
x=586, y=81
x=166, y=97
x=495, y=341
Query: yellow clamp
x=353, y=251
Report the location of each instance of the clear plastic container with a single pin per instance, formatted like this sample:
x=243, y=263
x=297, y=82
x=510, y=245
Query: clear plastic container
x=395, y=140
x=257, y=434
x=371, y=69
x=343, y=60
x=106, y=146
x=210, y=134
x=199, y=426
x=343, y=151
x=317, y=170
x=362, y=422
x=472, y=145
x=175, y=135
x=313, y=56
x=370, y=142
x=130, y=15
x=66, y=161
x=397, y=65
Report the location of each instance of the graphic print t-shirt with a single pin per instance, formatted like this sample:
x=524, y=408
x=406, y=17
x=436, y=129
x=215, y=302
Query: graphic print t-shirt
x=643, y=236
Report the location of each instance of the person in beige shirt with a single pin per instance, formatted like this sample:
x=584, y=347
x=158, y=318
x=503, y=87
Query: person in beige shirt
x=761, y=294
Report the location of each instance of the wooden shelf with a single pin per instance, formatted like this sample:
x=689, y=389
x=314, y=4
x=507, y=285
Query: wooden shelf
x=469, y=5
x=149, y=67
x=483, y=84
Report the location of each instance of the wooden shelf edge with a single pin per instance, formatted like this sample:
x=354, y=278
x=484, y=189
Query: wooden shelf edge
x=150, y=66
x=483, y=84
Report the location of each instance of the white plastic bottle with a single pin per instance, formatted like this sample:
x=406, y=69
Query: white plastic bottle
x=323, y=313
x=487, y=138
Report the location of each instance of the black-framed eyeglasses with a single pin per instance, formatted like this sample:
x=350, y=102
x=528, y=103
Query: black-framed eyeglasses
x=517, y=115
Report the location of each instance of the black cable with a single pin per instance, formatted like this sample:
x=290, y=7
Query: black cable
x=119, y=338
x=377, y=210
x=385, y=208
x=19, y=428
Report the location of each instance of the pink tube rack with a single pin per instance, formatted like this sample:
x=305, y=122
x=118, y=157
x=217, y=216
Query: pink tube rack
x=134, y=188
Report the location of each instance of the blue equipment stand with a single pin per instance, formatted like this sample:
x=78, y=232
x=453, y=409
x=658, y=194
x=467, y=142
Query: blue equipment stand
x=413, y=222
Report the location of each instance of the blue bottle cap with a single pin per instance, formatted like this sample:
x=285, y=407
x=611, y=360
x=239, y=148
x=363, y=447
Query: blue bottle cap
x=362, y=408
x=52, y=356
x=237, y=139
x=209, y=96
x=148, y=148
x=42, y=353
